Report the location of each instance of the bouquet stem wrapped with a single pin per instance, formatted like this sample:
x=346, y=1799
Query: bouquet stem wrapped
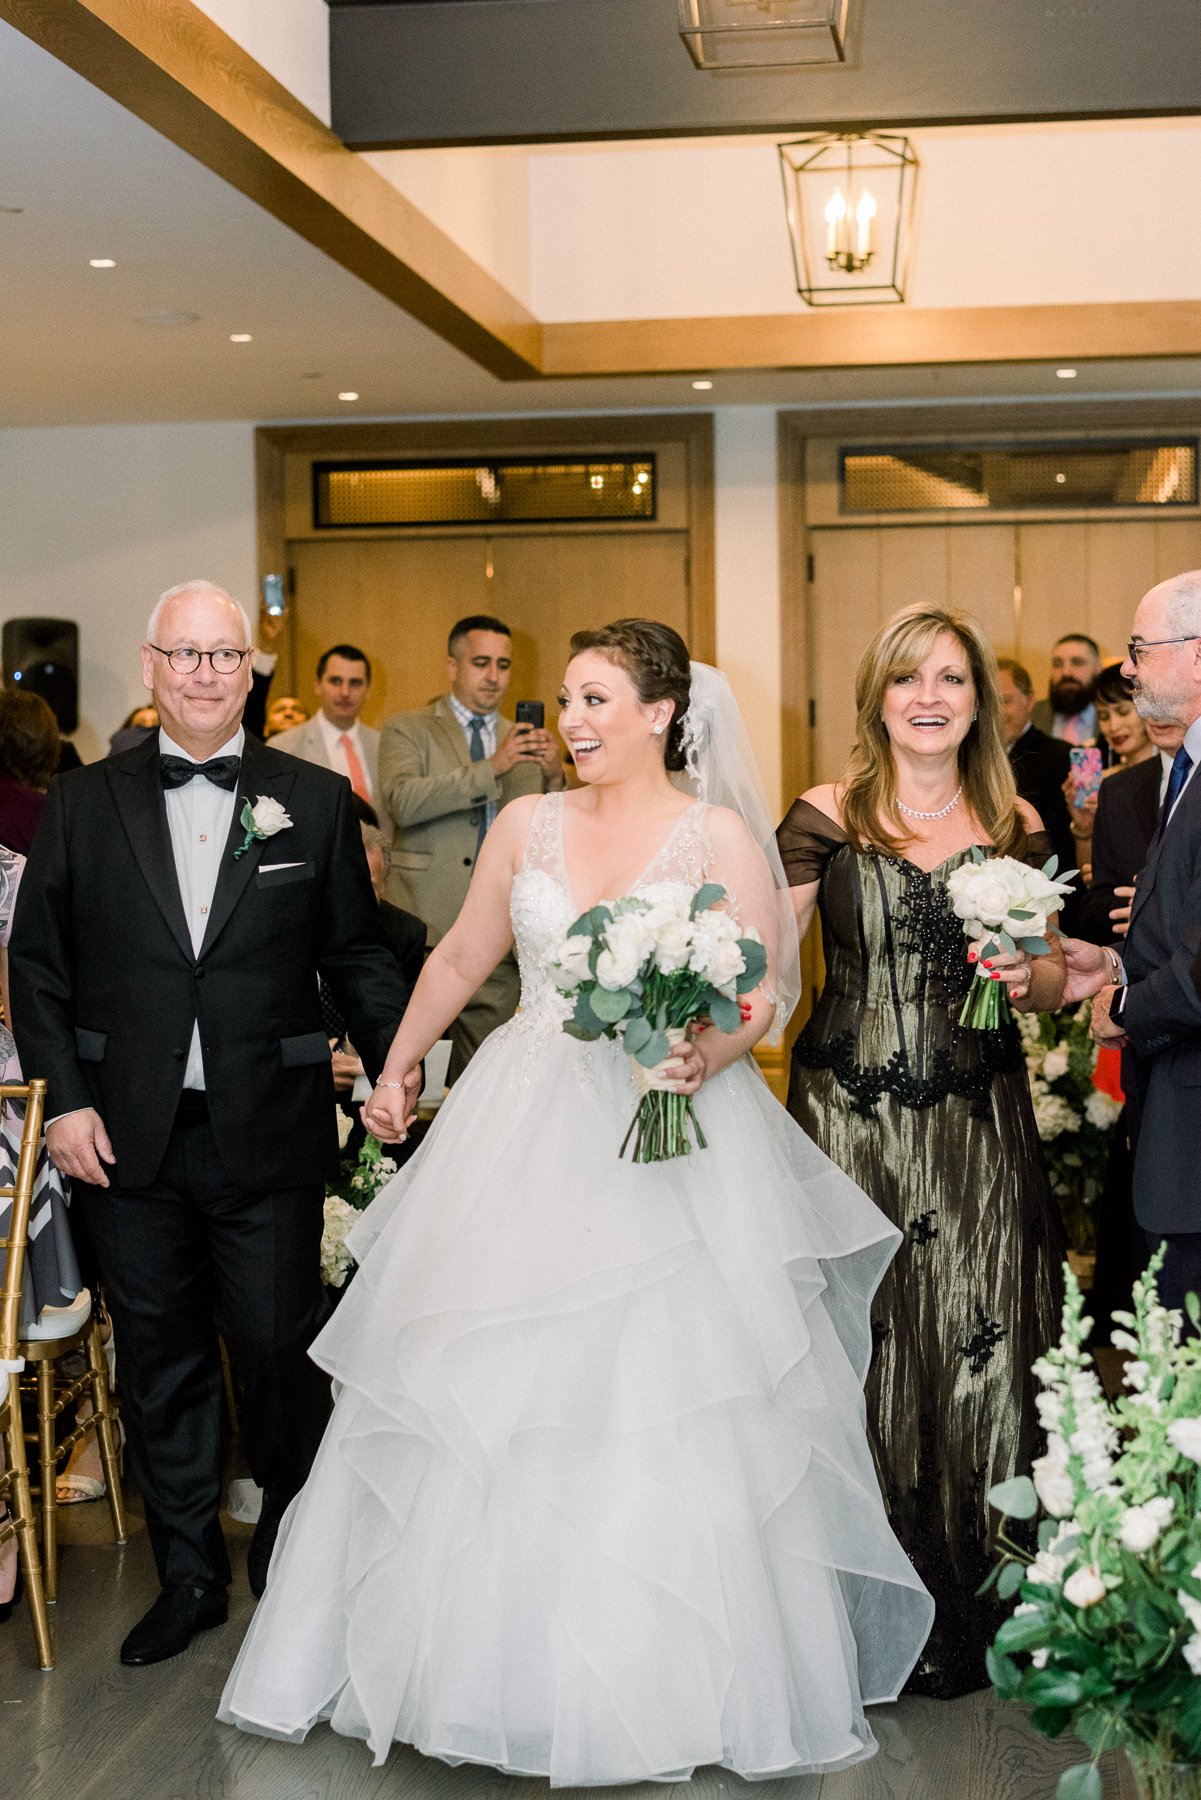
x=662, y=1120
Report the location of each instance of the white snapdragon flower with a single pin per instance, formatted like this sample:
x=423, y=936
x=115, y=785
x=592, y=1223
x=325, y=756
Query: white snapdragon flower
x=1192, y=1654
x=1141, y=1526
x=1055, y=1063
x=1184, y=1435
x=1085, y=1587
x=1189, y=1607
x=1052, y=1482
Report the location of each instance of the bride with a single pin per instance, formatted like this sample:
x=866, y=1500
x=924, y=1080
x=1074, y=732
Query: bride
x=596, y=1501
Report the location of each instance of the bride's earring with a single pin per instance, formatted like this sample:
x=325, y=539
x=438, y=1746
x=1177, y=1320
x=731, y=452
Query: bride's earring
x=658, y=730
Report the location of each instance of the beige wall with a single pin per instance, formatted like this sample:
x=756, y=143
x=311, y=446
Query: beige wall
x=95, y=522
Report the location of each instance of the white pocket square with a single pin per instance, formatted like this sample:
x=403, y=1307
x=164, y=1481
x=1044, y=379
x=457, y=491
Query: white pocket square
x=270, y=868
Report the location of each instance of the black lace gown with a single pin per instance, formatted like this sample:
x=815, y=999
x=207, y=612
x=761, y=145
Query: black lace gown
x=935, y=1123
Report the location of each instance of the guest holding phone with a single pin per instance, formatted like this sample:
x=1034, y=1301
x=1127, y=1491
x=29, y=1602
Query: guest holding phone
x=444, y=774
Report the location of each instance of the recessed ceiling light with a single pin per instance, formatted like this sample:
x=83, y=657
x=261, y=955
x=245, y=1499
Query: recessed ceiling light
x=1061, y=478
x=101, y=262
x=702, y=387
x=348, y=395
x=1066, y=374
x=240, y=337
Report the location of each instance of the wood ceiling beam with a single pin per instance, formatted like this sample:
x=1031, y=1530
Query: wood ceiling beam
x=167, y=63
x=866, y=337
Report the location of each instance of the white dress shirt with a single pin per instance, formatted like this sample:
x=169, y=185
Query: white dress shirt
x=335, y=750
x=199, y=816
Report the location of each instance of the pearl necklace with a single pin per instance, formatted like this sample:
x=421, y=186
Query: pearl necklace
x=911, y=812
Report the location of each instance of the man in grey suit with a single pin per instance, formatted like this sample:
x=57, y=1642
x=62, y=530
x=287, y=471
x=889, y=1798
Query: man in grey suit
x=1146, y=998
x=335, y=738
x=444, y=774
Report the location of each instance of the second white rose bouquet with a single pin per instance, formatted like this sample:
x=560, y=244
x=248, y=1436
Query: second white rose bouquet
x=642, y=970
x=1004, y=905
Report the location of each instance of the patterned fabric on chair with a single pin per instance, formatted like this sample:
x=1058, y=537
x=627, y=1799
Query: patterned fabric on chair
x=14, y=1478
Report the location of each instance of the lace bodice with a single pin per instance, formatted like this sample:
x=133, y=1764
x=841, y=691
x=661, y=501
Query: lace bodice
x=542, y=904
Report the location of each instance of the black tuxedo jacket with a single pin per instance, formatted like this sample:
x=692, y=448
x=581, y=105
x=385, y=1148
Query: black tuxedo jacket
x=1161, y=1067
x=406, y=934
x=1040, y=768
x=1126, y=821
x=106, y=986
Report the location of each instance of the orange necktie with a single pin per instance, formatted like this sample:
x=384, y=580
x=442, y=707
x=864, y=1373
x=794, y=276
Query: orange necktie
x=358, y=778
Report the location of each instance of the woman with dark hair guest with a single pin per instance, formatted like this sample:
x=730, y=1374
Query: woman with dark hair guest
x=934, y=1121
x=1129, y=742
x=29, y=750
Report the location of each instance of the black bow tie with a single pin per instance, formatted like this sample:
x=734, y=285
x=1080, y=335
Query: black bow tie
x=222, y=771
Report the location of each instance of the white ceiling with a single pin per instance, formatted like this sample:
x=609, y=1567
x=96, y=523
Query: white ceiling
x=92, y=180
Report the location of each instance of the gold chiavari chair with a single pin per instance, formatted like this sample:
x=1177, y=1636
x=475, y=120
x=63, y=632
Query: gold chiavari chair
x=14, y=1479
x=56, y=1394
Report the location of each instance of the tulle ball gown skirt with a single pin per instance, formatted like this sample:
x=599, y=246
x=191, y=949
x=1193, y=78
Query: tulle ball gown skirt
x=596, y=1501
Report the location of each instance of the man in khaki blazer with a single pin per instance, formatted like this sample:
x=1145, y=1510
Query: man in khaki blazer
x=444, y=774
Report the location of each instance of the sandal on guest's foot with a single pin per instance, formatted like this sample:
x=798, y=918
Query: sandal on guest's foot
x=74, y=1489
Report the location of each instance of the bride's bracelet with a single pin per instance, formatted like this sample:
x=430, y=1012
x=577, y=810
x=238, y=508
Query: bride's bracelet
x=391, y=1084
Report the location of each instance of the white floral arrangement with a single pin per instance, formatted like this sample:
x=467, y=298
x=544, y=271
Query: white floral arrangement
x=359, y=1181
x=644, y=969
x=1075, y=1119
x=1004, y=905
x=1106, y=1636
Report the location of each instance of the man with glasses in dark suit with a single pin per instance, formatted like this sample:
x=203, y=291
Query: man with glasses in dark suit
x=179, y=904
x=1146, y=995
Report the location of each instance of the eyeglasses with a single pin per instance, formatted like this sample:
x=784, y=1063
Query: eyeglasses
x=185, y=661
x=1137, y=645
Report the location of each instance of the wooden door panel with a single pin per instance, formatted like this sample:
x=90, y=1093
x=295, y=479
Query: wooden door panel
x=913, y=567
x=1121, y=567
x=980, y=562
x=844, y=612
x=397, y=598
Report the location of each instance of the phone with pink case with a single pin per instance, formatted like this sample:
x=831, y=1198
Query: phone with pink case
x=1085, y=771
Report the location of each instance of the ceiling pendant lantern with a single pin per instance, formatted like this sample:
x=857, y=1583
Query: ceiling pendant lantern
x=763, y=34
x=849, y=199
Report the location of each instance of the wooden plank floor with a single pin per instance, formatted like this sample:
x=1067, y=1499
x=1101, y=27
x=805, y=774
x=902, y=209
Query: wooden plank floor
x=92, y=1730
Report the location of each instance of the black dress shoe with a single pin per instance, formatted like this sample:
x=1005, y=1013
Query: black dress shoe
x=258, y=1557
x=172, y=1622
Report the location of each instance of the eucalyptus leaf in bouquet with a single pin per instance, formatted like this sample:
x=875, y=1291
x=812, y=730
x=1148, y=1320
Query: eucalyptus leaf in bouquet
x=641, y=971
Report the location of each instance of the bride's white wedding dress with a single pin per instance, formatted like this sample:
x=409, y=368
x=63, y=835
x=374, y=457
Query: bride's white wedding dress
x=596, y=1500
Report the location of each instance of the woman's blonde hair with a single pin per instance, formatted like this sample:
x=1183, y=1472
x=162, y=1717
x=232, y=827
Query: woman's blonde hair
x=870, y=793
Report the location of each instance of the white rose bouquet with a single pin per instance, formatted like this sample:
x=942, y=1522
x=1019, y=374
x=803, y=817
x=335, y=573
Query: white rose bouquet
x=360, y=1179
x=1106, y=1637
x=641, y=970
x=1005, y=905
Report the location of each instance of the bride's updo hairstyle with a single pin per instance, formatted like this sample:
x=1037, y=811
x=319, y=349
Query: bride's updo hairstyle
x=656, y=660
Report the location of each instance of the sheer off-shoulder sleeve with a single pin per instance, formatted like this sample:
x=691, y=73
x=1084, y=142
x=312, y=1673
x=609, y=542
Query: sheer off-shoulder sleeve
x=807, y=839
x=1038, y=848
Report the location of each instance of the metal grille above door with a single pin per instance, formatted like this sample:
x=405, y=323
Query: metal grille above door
x=1082, y=476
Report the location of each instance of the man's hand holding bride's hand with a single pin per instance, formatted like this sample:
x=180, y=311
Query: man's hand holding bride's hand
x=391, y=1108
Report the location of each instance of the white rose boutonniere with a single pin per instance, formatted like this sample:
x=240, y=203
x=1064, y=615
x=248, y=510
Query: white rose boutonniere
x=260, y=821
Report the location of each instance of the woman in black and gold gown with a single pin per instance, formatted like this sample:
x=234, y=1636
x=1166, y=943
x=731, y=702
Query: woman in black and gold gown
x=934, y=1121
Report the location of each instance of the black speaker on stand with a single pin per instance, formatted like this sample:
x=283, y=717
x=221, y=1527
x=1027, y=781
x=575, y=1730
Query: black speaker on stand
x=41, y=656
